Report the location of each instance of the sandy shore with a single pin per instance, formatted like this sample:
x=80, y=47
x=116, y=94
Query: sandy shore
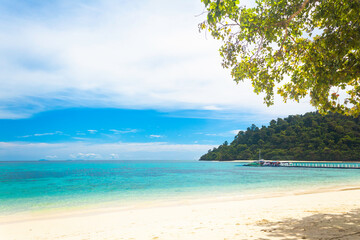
x=333, y=214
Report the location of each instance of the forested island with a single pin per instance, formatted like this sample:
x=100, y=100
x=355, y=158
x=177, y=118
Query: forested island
x=310, y=137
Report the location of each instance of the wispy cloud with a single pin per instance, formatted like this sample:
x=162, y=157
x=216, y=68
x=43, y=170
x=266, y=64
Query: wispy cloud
x=42, y=134
x=235, y=132
x=80, y=56
x=223, y=134
x=123, y=131
x=156, y=136
x=82, y=138
x=86, y=156
x=216, y=108
x=212, y=134
x=114, y=156
x=92, y=131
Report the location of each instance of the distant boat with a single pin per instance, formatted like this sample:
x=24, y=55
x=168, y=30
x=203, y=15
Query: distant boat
x=263, y=163
x=254, y=164
x=258, y=163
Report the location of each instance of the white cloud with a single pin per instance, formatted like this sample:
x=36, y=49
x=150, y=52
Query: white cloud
x=81, y=138
x=222, y=134
x=235, y=132
x=212, y=134
x=43, y=134
x=114, y=156
x=92, y=131
x=104, y=151
x=51, y=157
x=126, y=54
x=86, y=156
x=156, y=136
x=212, y=108
x=123, y=131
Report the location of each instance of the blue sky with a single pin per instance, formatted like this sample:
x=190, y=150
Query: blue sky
x=117, y=80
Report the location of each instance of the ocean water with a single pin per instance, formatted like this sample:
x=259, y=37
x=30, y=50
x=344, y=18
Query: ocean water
x=34, y=186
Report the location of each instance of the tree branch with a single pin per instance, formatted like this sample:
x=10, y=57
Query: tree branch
x=287, y=22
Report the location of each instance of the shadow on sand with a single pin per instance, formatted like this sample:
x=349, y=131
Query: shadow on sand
x=318, y=226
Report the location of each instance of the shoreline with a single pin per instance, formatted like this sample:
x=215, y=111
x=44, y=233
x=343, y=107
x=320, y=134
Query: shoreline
x=181, y=199
x=170, y=219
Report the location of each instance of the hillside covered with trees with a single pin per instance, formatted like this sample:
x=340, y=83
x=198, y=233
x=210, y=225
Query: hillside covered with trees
x=312, y=137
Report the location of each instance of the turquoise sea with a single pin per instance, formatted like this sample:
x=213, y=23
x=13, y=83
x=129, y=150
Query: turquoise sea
x=33, y=186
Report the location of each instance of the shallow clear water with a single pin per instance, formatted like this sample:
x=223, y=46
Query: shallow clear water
x=26, y=186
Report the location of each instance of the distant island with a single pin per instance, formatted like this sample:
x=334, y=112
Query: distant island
x=308, y=137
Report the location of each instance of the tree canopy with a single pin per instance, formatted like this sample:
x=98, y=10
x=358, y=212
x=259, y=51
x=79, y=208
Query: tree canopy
x=297, y=47
x=312, y=137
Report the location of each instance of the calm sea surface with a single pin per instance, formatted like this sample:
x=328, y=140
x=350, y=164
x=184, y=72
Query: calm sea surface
x=27, y=186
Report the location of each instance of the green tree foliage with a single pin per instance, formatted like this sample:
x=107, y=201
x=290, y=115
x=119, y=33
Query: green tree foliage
x=301, y=47
x=312, y=137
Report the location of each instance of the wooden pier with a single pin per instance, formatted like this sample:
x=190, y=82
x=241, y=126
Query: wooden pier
x=342, y=165
x=321, y=165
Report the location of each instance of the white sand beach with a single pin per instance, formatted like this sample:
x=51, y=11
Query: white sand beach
x=330, y=214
